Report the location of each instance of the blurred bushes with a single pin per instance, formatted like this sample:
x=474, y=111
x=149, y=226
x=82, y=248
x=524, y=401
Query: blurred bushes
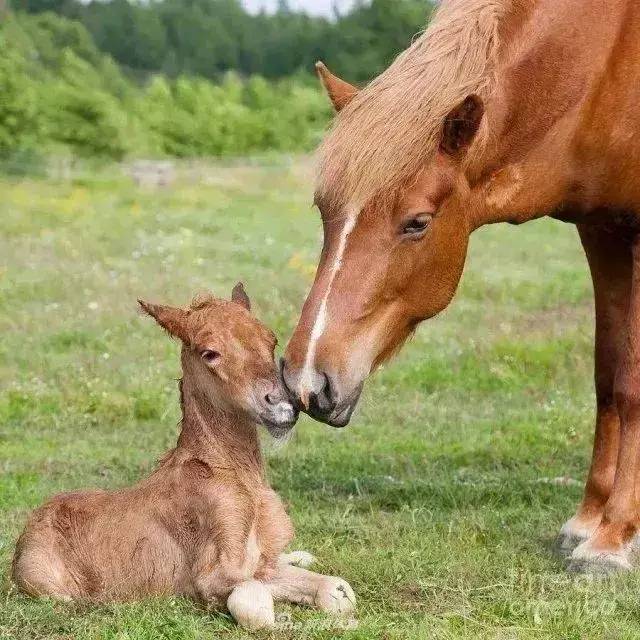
x=61, y=94
x=192, y=116
x=20, y=115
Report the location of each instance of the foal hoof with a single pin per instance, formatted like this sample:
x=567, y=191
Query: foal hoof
x=251, y=605
x=335, y=596
x=599, y=563
x=302, y=559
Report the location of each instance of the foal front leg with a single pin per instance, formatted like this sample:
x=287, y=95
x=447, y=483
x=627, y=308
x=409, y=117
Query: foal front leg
x=610, y=546
x=299, y=586
x=251, y=605
x=219, y=579
x=610, y=261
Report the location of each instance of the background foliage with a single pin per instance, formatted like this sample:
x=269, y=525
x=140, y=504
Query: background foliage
x=180, y=77
x=209, y=37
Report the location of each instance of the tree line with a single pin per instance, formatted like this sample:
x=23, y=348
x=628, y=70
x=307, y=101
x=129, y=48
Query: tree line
x=185, y=78
x=208, y=38
x=60, y=95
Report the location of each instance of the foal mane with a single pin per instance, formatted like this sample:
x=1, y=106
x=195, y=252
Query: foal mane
x=383, y=137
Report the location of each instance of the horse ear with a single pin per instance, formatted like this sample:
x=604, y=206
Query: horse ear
x=461, y=125
x=240, y=296
x=340, y=92
x=171, y=319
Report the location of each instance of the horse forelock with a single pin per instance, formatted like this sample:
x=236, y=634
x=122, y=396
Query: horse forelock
x=392, y=127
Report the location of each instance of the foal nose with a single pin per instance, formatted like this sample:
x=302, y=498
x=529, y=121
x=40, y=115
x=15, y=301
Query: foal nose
x=275, y=397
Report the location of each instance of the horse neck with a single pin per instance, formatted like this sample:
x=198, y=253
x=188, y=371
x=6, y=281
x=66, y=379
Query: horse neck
x=565, y=69
x=219, y=437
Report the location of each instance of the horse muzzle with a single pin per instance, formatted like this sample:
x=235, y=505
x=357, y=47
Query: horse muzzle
x=319, y=395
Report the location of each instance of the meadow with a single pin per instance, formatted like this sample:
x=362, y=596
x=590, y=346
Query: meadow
x=439, y=503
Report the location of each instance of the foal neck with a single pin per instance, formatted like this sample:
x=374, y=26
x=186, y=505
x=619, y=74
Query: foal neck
x=221, y=438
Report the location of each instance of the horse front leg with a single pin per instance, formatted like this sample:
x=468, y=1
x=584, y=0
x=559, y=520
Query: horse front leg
x=609, y=548
x=599, y=482
x=610, y=261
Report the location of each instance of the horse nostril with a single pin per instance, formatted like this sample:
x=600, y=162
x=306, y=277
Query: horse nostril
x=327, y=390
x=322, y=400
x=271, y=398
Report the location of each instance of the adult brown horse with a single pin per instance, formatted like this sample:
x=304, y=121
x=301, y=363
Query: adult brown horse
x=501, y=111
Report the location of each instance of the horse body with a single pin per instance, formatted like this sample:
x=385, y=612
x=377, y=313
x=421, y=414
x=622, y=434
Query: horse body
x=566, y=91
x=502, y=111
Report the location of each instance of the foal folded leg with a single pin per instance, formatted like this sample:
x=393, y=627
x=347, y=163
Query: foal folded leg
x=330, y=594
x=251, y=605
x=222, y=579
x=610, y=546
x=302, y=559
x=610, y=262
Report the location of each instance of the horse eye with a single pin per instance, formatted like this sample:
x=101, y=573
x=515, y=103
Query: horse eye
x=209, y=356
x=417, y=225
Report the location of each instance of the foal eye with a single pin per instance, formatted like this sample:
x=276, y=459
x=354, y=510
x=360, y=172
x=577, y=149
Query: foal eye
x=418, y=225
x=210, y=356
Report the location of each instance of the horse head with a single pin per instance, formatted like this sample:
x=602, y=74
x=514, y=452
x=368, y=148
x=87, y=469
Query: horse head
x=392, y=255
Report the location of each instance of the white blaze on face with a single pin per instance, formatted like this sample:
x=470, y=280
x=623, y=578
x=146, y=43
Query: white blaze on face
x=306, y=377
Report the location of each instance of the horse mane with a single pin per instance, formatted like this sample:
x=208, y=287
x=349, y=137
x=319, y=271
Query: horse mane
x=384, y=136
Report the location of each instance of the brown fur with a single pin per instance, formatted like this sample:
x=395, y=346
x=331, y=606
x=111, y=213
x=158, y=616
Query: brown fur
x=391, y=128
x=559, y=81
x=206, y=520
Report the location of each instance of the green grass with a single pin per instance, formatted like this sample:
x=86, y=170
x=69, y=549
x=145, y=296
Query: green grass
x=436, y=503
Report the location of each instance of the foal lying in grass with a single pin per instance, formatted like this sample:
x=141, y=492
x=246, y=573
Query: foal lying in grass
x=206, y=524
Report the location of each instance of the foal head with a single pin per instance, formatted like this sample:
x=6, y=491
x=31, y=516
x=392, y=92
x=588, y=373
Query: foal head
x=392, y=256
x=229, y=356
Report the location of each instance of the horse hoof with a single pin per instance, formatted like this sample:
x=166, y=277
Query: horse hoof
x=599, y=563
x=565, y=544
x=251, y=605
x=571, y=536
x=335, y=596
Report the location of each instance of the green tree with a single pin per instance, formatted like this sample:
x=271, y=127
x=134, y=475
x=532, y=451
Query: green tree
x=210, y=37
x=20, y=117
x=82, y=115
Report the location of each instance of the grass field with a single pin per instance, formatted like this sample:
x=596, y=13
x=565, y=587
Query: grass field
x=441, y=500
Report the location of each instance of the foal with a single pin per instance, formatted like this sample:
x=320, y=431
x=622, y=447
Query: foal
x=206, y=523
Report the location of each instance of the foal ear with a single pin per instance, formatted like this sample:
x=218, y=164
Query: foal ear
x=239, y=295
x=461, y=125
x=172, y=319
x=340, y=92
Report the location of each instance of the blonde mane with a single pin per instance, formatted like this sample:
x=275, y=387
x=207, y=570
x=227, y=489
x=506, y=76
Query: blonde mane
x=383, y=137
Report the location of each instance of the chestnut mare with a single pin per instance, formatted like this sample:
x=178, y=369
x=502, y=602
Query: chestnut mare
x=501, y=111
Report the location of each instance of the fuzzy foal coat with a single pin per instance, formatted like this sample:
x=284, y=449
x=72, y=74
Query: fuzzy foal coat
x=203, y=522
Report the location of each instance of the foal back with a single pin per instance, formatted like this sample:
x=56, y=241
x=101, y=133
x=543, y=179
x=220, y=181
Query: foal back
x=126, y=544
